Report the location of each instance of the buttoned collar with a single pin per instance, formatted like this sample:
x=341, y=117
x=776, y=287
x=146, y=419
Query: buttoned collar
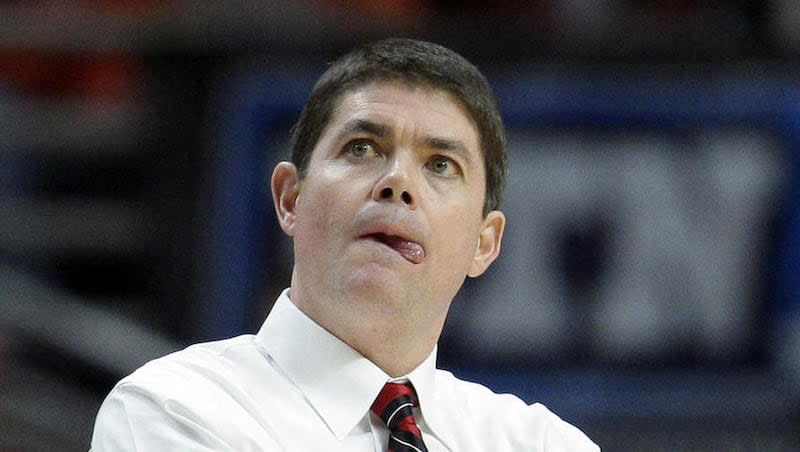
x=338, y=382
x=431, y=399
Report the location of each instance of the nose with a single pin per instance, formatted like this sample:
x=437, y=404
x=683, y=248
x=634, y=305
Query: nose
x=396, y=184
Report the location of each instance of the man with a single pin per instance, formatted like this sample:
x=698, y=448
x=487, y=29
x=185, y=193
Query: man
x=391, y=199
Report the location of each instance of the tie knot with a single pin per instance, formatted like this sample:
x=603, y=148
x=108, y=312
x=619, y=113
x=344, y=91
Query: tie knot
x=394, y=403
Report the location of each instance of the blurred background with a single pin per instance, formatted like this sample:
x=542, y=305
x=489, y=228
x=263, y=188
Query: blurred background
x=648, y=286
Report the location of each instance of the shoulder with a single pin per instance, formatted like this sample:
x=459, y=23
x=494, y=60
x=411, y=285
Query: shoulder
x=187, y=396
x=201, y=364
x=511, y=421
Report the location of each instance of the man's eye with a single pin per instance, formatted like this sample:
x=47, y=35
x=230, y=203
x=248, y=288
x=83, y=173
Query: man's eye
x=361, y=149
x=442, y=165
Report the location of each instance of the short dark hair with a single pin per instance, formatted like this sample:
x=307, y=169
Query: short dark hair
x=418, y=63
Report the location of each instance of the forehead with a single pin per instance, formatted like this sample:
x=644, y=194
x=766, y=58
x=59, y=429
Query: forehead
x=433, y=111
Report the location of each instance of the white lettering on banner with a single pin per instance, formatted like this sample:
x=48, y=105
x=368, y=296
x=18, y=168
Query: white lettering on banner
x=684, y=226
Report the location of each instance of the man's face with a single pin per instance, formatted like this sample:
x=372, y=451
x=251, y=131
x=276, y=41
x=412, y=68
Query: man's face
x=389, y=214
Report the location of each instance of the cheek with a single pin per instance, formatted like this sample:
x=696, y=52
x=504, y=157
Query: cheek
x=309, y=213
x=321, y=212
x=458, y=237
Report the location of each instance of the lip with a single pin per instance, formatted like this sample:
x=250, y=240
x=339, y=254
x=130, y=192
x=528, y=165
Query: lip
x=388, y=229
x=383, y=232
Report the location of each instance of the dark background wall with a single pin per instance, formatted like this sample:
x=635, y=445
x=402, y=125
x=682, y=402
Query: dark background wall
x=648, y=285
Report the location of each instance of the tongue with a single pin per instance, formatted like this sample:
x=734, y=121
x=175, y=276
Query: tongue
x=412, y=251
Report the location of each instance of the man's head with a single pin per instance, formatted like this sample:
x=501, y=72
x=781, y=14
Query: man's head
x=387, y=198
x=415, y=63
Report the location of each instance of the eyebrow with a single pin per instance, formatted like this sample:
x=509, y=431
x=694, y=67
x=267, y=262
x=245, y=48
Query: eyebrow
x=446, y=144
x=365, y=126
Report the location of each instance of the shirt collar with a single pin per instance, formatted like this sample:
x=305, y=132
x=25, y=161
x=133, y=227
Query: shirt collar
x=338, y=382
x=430, y=404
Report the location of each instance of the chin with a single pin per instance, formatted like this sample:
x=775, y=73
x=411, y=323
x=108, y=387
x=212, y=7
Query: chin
x=376, y=282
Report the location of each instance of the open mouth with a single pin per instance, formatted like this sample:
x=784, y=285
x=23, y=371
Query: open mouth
x=410, y=250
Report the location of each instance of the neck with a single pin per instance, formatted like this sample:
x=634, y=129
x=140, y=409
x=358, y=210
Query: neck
x=395, y=353
x=396, y=339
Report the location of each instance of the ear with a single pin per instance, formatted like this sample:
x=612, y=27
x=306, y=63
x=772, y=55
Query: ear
x=285, y=185
x=489, y=240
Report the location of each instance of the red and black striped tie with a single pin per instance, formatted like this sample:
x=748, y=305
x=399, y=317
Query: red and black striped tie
x=395, y=406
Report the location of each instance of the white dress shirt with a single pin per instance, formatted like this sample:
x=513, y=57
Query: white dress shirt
x=296, y=387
